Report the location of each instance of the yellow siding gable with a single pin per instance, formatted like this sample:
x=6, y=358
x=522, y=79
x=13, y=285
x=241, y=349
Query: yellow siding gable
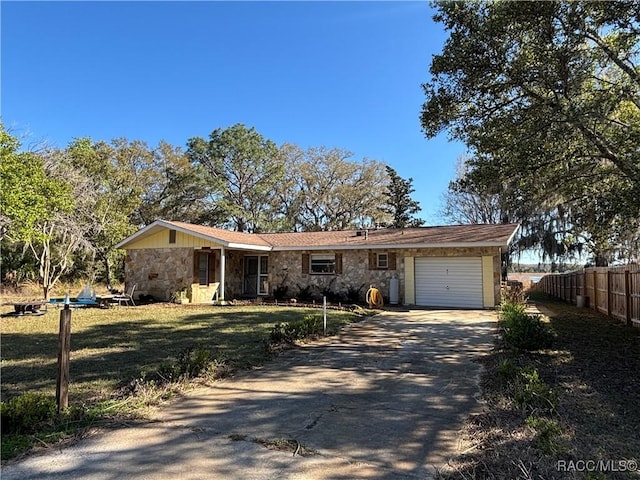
x=161, y=240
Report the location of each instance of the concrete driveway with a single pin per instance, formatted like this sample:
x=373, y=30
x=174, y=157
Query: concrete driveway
x=386, y=399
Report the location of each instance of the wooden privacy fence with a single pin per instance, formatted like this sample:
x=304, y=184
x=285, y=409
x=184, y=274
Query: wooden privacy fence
x=614, y=291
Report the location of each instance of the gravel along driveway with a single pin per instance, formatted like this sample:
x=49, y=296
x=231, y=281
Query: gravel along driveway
x=385, y=399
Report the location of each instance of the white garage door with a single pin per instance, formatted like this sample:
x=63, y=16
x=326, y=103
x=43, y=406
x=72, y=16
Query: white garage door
x=449, y=281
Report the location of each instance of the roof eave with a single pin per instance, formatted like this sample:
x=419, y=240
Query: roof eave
x=162, y=223
x=203, y=236
x=393, y=246
x=512, y=236
x=244, y=246
x=266, y=248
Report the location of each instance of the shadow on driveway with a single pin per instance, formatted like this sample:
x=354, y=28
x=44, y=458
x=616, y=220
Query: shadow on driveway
x=385, y=399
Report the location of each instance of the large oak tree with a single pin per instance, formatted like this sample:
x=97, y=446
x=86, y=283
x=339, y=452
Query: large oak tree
x=243, y=169
x=546, y=96
x=325, y=189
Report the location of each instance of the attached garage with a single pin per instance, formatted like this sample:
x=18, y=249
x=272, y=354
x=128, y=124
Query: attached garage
x=451, y=266
x=449, y=282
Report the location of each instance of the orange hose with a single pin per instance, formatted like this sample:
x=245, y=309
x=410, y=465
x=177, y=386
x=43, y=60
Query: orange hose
x=374, y=298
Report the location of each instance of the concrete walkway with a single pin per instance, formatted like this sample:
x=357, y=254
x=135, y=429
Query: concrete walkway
x=386, y=399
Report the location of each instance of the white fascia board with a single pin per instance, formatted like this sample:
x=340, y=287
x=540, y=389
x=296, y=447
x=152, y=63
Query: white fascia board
x=392, y=246
x=243, y=246
x=510, y=239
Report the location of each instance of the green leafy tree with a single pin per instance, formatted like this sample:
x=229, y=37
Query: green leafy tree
x=36, y=210
x=244, y=169
x=110, y=180
x=474, y=197
x=27, y=193
x=546, y=96
x=287, y=195
x=179, y=191
x=399, y=203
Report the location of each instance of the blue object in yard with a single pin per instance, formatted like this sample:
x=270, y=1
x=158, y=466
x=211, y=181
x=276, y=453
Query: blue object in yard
x=86, y=301
x=73, y=302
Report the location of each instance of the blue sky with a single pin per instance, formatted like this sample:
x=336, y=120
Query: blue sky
x=334, y=74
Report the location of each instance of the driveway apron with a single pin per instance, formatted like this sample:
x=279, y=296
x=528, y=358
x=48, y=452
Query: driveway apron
x=385, y=399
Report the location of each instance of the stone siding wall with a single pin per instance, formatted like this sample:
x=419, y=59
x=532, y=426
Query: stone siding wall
x=159, y=271
x=285, y=268
x=162, y=271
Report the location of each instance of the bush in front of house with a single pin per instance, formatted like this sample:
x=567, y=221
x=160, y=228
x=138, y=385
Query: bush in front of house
x=523, y=331
x=305, y=293
x=309, y=326
x=192, y=362
x=514, y=292
x=354, y=295
x=281, y=292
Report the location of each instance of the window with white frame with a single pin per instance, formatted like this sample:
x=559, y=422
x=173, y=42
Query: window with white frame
x=382, y=260
x=323, y=263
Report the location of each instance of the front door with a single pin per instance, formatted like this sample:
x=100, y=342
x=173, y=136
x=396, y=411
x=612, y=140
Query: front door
x=255, y=275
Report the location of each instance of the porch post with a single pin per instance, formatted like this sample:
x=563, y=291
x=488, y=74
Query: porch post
x=222, y=272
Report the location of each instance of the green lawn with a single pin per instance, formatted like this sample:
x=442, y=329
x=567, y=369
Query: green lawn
x=110, y=347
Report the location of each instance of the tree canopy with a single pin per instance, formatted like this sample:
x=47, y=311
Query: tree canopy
x=244, y=169
x=69, y=207
x=465, y=201
x=110, y=180
x=37, y=209
x=28, y=195
x=326, y=190
x=546, y=96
